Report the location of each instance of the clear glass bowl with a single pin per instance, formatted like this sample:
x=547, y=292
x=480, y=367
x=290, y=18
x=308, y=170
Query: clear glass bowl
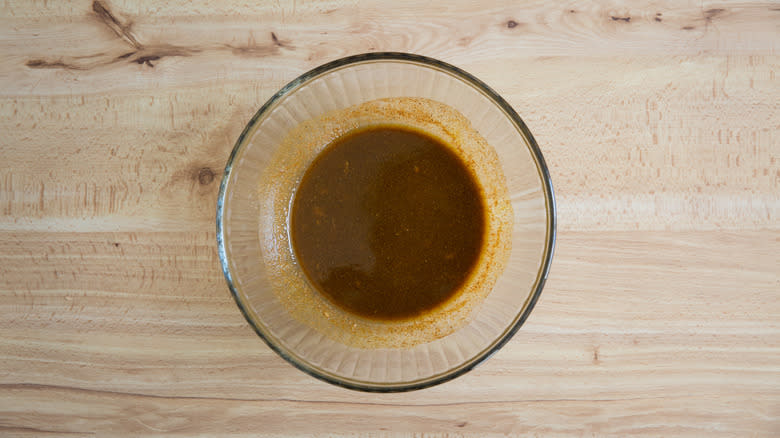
x=350, y=81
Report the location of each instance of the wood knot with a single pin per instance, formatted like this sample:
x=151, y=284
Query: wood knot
x=710, y=13
x=511, y=24
x=205, y=176
x=146, y=60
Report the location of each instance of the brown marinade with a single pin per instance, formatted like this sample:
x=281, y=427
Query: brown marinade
x=387, y=222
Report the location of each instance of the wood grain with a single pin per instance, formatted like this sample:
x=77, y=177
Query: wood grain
x=660, y=123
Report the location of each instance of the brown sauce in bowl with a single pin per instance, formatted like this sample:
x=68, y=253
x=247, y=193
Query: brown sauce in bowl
x=387, y=222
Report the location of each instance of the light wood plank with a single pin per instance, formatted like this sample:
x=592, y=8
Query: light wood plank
x=665, y=143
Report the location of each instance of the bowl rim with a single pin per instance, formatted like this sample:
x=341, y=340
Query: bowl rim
x=542, y=273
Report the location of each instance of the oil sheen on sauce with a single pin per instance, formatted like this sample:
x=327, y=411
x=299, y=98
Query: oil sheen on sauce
x=387, y=222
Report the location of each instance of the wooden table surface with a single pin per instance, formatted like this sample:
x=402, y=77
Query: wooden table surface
x=660, y=121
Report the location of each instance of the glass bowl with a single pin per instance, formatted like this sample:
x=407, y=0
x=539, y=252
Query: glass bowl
x=242, y=218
